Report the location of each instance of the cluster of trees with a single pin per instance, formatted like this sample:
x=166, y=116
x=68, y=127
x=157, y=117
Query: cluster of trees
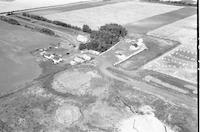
x=50, y=21
x=47, y=31
x=105, y=37
x=9, y=20
x=36, y=17
x=187, y=3
x=66, y=25
x=86, y=29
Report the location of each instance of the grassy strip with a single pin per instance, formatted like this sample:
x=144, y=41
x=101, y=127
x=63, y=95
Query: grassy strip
x=9, y=20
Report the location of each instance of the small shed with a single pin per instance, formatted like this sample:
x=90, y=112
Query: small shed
x=85, y=57
x=48, y=56
x=72, y=62
x=82, y=39
x=78, y=60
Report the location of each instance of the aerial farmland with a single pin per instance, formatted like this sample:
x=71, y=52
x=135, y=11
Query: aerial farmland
x=98, y=66
x=121, y=13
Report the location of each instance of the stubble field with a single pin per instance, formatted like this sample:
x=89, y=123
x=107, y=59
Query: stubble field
x=121, y=13
x=181, y=61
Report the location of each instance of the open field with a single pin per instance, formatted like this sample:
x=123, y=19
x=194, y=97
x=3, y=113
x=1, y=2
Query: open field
x=10, y=5
x=17, y=65
x=121, y=13
x=76, y=6
x=96, y=96
x=181, y=62
x=184, y=31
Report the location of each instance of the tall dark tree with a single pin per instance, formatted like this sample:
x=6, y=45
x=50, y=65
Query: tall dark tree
x=93, y=45
x=115, y=29
x=82, y=46
x=105, y=37
x=86, y=29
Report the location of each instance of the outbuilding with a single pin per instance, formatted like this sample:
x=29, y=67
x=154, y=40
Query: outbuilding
x=82, y=39
x=85, y=57
x=73, y=62
x=48, y=56
x=78, y=60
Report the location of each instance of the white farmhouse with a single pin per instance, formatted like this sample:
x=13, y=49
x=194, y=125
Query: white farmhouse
x=78, y=60
x=82, y=39
x=73, y=62
x=43, y=52
x=93, y=52
x=85, y=57
x=56, y=61
x=48, y=56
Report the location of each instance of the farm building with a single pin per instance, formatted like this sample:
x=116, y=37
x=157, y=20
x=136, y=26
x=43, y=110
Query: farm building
x=136, y=45
x=48, y=56
x=73, y=62
x=94, y=52
x=78, y=60
x=43, y=52
x=85, y=57
x=90, y=52
x=57, y=60
x=82, y=39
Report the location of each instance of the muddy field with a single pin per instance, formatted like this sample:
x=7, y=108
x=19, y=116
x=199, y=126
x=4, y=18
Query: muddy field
x=109, y=106
x=121, y=13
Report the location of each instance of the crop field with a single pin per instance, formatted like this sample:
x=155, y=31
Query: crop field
x=182, y=61
x=183, y=31
x=121, y=13
x=10, y=5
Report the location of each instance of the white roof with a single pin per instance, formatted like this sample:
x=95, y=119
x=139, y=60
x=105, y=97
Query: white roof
x=140, y=40
x=72, y=62
x=86, y=57
x=82, y=38
x=79, y=60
